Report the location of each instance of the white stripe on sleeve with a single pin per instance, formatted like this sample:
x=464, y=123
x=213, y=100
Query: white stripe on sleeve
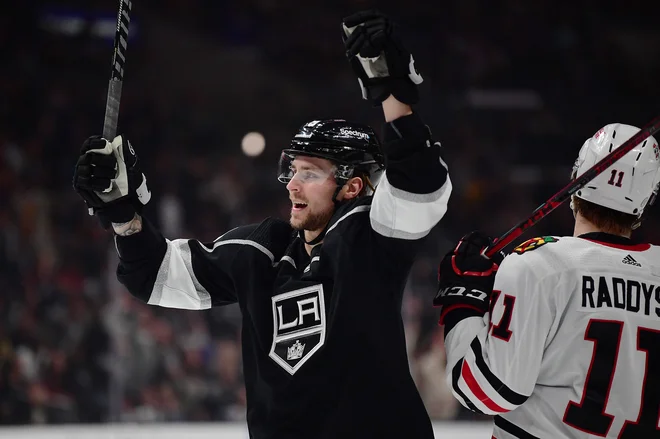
x=176, y=285
x=405, y=215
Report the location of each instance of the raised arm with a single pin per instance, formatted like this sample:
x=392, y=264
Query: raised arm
x=394, y=109
x=181, y=273
x=413, y=193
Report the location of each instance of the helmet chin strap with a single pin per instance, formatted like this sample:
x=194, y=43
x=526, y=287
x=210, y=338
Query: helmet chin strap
x=641, y=216
x=321, y=235
x=572, y=206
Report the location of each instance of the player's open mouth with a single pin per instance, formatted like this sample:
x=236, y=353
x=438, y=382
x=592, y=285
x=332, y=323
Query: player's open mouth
x=298, y=206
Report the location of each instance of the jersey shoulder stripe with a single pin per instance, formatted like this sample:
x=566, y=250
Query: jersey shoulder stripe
x=512, y=429
x=455, y=377
x=502, y=389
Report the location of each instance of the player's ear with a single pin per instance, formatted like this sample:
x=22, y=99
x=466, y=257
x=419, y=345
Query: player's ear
x=352, y=188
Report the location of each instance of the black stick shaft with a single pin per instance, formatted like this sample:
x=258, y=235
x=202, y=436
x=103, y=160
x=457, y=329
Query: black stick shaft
x=117, y=75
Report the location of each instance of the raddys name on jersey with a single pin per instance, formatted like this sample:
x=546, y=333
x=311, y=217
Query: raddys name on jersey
x=299, y=326
x=534, y=243
x=604, y=291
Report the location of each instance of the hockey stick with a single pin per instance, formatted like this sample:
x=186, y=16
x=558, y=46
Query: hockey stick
x=117, y=73
x=564, y=194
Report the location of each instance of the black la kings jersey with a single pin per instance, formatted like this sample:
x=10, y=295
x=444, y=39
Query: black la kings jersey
x=324, y=352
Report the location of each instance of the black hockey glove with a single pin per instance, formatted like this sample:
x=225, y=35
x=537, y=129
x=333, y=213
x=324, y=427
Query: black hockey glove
x=108, y=177
x=466, y=276
x=383, y=66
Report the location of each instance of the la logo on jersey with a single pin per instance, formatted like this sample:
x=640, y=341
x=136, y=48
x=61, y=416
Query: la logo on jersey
x=534, y=243
x=299, y=327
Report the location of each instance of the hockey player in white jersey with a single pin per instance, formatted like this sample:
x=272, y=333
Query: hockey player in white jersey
x=562, y=340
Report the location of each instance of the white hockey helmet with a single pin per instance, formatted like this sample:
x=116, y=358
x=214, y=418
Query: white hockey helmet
x=631, y=183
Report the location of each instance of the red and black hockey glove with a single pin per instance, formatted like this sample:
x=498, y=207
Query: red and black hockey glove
x=466, y=277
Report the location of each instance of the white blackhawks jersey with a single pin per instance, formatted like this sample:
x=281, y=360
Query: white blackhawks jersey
x=571, y=346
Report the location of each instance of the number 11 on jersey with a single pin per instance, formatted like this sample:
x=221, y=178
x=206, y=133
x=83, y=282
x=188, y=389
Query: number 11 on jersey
x=589, y=414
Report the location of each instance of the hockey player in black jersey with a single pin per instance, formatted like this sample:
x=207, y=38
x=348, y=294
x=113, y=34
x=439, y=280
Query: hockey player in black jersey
x=323, y=339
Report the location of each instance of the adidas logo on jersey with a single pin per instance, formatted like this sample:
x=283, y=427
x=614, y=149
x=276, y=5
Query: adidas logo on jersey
x=631, y=261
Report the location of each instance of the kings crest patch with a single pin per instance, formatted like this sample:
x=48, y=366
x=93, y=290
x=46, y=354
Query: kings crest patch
x=534, y=243
x=299, y=327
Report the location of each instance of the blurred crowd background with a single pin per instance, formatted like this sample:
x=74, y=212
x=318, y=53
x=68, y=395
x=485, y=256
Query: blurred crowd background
x=512, y=89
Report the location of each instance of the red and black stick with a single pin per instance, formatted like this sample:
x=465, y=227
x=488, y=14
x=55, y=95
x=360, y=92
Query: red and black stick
x=557, y=199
